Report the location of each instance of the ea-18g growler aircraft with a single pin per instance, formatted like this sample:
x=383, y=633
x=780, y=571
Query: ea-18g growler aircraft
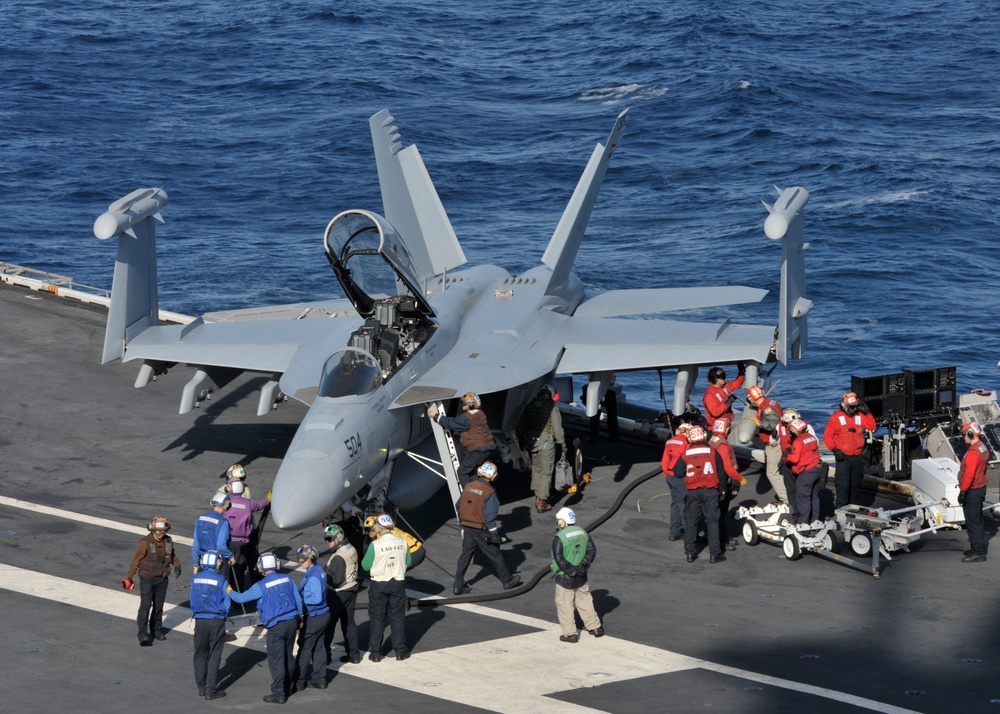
x=419, y=327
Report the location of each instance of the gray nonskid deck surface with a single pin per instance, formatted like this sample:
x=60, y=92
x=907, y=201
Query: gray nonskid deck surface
x=757, y=633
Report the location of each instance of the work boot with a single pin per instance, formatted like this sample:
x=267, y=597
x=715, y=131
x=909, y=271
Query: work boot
x=271, y=699
x=691, y=557
x=975, y=558
x=516, y=580
x=464, y=589
x=217, y=694
x=598, y=632
x=569, y=638
x=717, y=558
x=374, y=656
x=401, y=657
x=146, y=642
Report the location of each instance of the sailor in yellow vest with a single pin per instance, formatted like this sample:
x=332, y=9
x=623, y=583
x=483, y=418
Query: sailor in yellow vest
x=386, y=560
x=573, y=552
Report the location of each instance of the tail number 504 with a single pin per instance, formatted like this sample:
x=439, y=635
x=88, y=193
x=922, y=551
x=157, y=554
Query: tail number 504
x=353, y=445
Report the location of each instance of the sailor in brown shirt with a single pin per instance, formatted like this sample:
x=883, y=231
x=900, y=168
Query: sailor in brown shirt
x=473, y=432
x=154, y=556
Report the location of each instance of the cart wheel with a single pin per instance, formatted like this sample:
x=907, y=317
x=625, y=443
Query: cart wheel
x=749, y=532
x=861, y=544
x=831, y=541
x=790, y=547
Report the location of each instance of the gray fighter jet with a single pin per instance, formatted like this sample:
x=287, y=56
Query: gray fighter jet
x=418, y=327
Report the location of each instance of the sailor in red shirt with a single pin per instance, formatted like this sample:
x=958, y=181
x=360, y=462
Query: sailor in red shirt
x=672, y=450
x=720, y=394
x=972, y=491
x=700, y=466
x=768, y=418
x=720, y=442
x=845, y=437
x=803, y=458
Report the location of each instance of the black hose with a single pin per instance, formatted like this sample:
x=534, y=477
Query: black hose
x=542, y=572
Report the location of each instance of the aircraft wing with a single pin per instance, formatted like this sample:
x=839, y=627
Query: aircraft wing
x=615, y=303
x=610, y=344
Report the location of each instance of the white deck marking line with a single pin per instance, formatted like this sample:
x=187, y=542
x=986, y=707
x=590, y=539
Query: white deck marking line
x=92, y=520
x=536, y=661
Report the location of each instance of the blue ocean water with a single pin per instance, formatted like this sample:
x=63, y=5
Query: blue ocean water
x=253, y=116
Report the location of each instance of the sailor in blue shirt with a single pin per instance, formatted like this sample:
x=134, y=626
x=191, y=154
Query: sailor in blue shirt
x=280, y=608
x=211, y=532
x=312, y=649
x=210, y=606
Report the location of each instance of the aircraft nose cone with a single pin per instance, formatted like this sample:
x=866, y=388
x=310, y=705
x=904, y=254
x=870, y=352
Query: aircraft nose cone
x=305, y=491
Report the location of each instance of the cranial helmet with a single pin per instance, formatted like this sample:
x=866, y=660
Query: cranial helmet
x=307, y=552
x=797, y=426
x=972, y=428
x=850, y=399
x=221, y=499
x=755, y=393
x=789, y=414
x=545, y=391
x=210, y=560
x=236, y=472
x=369, y=523
x=334, y=534
x=237, y=487
x=696, y=434
x=716, y=373
x=470, y=400
x=385, y=520
x=267, y=561
x=566, y=515
x=159, y=523
x=488, y=470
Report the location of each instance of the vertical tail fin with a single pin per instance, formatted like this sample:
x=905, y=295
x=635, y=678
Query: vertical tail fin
x=784, y=222
x=565, y=242
x=411, y=203
x=134, y=299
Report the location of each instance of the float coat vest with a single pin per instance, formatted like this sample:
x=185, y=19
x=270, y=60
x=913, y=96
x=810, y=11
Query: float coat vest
x=471, y=504
x=700, y=467
x=208, y=596
x=574, y=546
x=478, y=435
x=278, y=601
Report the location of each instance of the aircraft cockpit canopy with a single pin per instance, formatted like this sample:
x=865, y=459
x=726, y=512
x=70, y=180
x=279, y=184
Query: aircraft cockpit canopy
x=348, y=372
x=370, y=261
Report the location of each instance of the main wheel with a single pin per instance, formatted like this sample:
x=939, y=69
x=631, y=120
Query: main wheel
x=861, y=544
x=790, y=547
x=749, y=531
x=831, y=541
x=575, y=457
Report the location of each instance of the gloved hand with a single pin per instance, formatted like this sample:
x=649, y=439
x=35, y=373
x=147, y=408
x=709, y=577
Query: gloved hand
x=197, y=569
x=839, y=455
x=863, y=408
x=493, y=538
x=268, y=496
x=741, y=368
x=128, y=584
x=432, y=413
x=961, y=497
x=743, y=481
x=177, y=570
x=730, y=400
x=229, y=589
x=232, y=562
x=302, y=621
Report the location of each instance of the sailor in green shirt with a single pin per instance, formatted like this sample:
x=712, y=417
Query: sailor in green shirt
x=573, y=551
